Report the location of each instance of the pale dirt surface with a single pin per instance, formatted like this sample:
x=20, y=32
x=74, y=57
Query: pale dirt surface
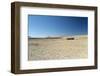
x=49, y=49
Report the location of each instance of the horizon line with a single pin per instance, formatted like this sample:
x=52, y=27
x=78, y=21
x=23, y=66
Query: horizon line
x=54, y=36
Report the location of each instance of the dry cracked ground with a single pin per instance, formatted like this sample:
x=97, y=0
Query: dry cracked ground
x=50, y=49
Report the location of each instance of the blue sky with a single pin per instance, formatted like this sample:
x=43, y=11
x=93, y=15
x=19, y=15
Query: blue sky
x=44, y=26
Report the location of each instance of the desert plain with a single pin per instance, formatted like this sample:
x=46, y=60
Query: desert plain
x=69, y=47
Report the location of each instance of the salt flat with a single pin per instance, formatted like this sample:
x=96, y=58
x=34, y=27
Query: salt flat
x=58, y=48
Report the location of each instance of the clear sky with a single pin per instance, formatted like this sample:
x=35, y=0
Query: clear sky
x=44, y=26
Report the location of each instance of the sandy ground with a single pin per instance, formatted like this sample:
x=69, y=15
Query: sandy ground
x=49, y=49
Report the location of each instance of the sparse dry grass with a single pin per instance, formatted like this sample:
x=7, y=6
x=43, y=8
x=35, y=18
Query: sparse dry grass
x=49, y=49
